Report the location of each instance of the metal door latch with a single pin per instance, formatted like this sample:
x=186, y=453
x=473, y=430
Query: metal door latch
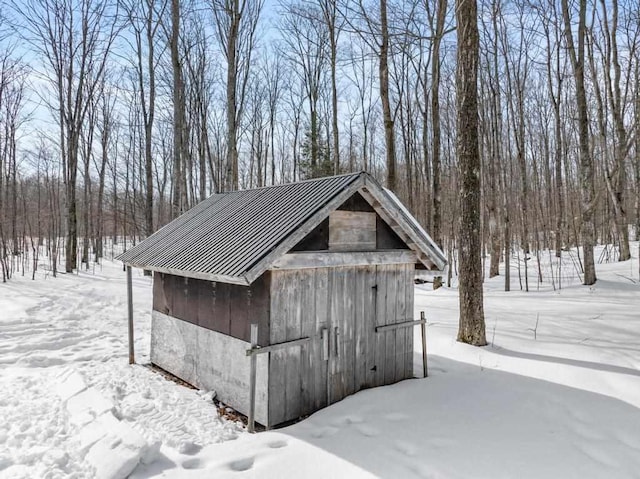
x=325, y=344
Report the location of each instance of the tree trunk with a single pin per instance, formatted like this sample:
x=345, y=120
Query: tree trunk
x=617, y=183
x=148, y=121
x=178, y=111
x=471, y=327
x=385, y=99
x=586, y=161
x=436, y=224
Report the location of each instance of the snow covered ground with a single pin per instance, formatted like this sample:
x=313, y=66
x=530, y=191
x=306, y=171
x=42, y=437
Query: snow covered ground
x=555, y=394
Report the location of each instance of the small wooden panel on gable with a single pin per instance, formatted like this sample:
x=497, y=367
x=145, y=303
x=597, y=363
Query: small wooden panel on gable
x=356, y=227
x=352, y=231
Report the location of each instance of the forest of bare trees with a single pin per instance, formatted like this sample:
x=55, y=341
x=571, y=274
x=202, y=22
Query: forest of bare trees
x=118, y=115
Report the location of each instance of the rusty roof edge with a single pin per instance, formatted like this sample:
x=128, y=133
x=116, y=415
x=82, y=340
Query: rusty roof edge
x=266, y=262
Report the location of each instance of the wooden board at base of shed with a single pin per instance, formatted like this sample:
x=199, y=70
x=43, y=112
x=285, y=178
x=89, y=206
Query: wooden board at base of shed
x=209, y=360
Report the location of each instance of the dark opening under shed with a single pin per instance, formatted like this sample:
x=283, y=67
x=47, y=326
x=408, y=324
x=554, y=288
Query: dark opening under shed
x=318, y=265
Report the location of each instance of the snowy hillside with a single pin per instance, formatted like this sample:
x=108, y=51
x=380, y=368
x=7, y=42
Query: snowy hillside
x=555, y=394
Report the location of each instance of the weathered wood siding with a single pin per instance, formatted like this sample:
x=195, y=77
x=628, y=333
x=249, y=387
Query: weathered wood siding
x=222, y=307
x=352, y=231
x=348, y=302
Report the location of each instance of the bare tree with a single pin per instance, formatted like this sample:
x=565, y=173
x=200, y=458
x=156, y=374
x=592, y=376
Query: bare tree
x=618, y=95
x=333, y=22
x=144, y=19
x=236, y=26
x=178, y=203
x=105, y=126
x=13, y=74
x=74, y=38
x=492, y=122
x=555, y=81
x=385, y=97
x=273, y=75
x=472, y=328
x=372, y=25
x=588, y=198
x=436, y=224
x=305, y=40
x=636, y=166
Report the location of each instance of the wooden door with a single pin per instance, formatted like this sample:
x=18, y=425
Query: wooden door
x=394, y=304
x=351, y=365
x=362, y=298
x=346, y=303
x=298, y=376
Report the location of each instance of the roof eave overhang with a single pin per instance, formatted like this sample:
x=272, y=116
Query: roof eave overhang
x=429, y=256
x=221, y=278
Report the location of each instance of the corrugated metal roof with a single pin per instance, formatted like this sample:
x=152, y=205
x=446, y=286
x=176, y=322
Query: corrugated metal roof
x=233, y=237
x=228, y=233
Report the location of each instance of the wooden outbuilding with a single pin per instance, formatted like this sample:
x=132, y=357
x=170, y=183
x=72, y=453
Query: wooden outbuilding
x=323, y=267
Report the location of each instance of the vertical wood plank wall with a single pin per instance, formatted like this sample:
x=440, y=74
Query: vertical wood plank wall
x=355, y=300
x=225, y=308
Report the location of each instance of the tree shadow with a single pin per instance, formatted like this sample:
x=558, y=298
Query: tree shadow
x=571, y=362
x=417, y=428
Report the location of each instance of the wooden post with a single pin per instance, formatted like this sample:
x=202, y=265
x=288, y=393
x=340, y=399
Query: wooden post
x=252, y=379
x=132, y=358
x=423, y=327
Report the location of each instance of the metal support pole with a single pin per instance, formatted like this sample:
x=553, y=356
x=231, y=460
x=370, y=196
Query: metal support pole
x=423, y=327
x=252, y=379
x=132, y=358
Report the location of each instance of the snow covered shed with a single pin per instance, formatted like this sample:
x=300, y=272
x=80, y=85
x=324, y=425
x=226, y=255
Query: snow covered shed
x=321, y=266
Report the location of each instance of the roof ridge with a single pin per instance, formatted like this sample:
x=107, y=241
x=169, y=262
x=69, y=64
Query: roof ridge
x=309, y=180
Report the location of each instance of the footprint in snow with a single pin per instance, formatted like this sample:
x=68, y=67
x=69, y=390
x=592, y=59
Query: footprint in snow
x=406, y=448
x=193, y=464
x=242, y=464
x=324, y=432
x=424, y=471
x=367, y=430
x=188, y=448
x=347, y=420
x=277, y=444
